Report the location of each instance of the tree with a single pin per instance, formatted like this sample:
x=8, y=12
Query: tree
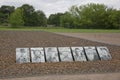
x=41, y=18
x=16, y=18
x=32, y=17
x=38, y=18
x=54, y=19
x=28, y=12
x=7, y=9
x=2, y=18
x=5, y=12
x=67, y=20
x=92, y=16
x=113, y=19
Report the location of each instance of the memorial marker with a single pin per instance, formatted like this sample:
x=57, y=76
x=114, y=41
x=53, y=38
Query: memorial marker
x=22, y=55
x=78, y=53
x=104, y=53
x=37, y=55
x=51, y=54
x=91, y=53
x=65, y=54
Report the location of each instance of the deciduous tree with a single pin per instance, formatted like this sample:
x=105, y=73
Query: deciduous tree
x=16, y=18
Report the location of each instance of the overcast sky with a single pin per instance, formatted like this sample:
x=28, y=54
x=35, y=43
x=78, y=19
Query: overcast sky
x=54, y=6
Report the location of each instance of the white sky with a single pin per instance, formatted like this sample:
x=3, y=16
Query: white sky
x=54, y=6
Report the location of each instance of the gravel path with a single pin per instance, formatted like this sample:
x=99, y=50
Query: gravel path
x=107, y=76
x=110, y=38
x=10, y=40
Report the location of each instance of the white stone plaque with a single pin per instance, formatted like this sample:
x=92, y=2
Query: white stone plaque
x=78, y=53
x=51, y=54
x=104, y=53
x=65, y=54
x=37, y=55
x=22, y=55
x=91, y=53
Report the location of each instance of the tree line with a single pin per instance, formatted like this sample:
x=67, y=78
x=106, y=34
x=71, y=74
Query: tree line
x=22, y=16
x=89, y=16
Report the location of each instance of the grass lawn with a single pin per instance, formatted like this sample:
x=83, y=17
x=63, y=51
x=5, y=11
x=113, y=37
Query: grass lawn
x=64, y=30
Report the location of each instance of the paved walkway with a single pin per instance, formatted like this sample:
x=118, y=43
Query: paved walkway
x=107, y=76
x=110, y=38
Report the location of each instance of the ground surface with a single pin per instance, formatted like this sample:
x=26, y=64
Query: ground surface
x=110, y=38
x=108, y=76
x=10, y=40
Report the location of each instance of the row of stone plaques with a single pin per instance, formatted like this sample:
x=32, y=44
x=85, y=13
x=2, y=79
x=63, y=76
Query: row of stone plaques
x=65, y=54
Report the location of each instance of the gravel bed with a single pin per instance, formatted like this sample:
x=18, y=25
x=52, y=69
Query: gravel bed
x=10, y=40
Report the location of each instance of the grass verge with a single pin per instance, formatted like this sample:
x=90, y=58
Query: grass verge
x=59, y=29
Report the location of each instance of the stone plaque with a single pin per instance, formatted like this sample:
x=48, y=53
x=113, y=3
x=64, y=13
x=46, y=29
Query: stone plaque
x=65, y=54
x=51, y=54
x=37, y=55
x=91, y=53
x=104, y=53
x=78, y=53
x=22, y=55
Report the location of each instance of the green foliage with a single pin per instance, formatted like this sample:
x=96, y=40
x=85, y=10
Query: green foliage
x=67, y=20
x=28, y=14
x=32, y=17
x=54, y=19
x=7, y=9
x=41, y=18
x=16, y=18
x=113, y=19
x=92, y=16
x=2, y=18
x=5, y=12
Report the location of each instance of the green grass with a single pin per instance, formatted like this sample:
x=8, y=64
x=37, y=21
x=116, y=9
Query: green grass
x=59, y=29
x=82, y=30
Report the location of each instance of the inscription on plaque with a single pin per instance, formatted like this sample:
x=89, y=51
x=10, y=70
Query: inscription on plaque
x=104, y=53
x=37, y=55
x=91, y=53
x=22, y=55
x=51, y=54
x=65, y=54
x=78, y=53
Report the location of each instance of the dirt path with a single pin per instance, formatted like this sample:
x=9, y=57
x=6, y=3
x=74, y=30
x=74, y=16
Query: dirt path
x=110, y=38
x=107, y=76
